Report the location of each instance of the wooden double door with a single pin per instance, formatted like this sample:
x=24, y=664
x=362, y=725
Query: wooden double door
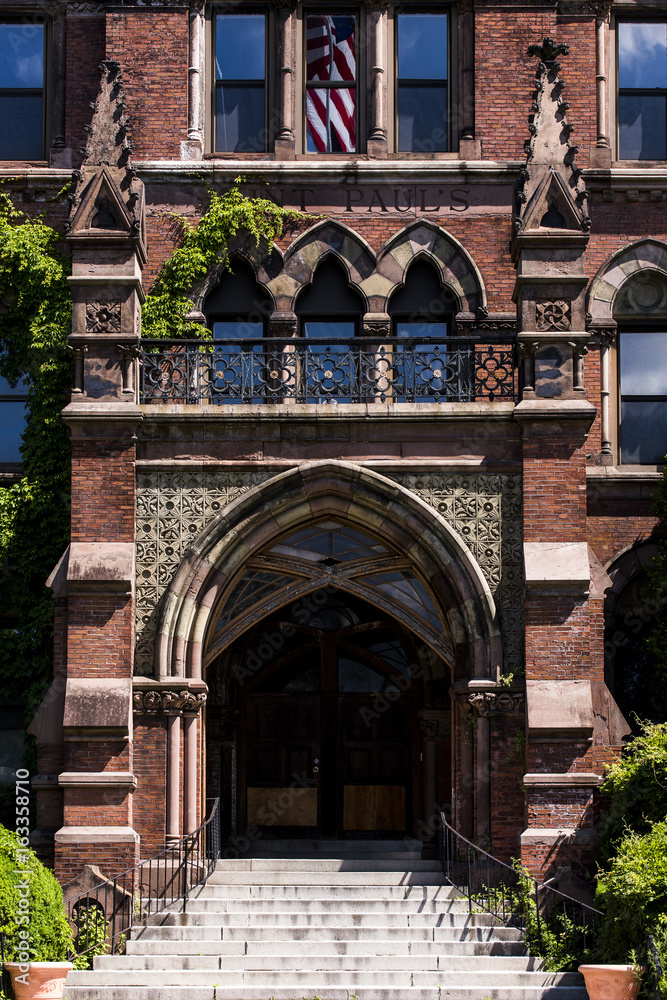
x=329, y=739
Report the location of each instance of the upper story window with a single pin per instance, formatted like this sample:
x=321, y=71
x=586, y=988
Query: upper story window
x=643, y=392
x=331, y=83
x=421, y=91
x=13, y=416
x=240, y=91
x=21, y=90
x=642, y=90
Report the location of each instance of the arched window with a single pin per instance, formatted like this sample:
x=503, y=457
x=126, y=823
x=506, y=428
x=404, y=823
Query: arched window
x=329, y=308
x=239, y=307
x=641, y=313
x=421, y=314
x=422, y=307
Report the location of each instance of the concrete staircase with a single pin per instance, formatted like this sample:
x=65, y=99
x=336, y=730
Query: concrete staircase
x=373, y=923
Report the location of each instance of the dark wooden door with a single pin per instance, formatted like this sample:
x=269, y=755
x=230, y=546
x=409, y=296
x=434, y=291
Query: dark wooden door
x=282, y=751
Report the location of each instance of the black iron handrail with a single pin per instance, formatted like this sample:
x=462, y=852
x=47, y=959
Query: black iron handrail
x=554, y=925
x=335, y=369
x=102, y=916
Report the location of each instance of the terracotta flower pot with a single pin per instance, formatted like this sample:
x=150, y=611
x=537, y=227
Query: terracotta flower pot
x=42, y=981
x=612, y=982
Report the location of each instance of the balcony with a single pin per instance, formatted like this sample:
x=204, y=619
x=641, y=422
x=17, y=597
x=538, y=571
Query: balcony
x=299, y=370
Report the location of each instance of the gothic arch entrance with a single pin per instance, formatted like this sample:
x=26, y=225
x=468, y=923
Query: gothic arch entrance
x=334, y=631
x=388, y=549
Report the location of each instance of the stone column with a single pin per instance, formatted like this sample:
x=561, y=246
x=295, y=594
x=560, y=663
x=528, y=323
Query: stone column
x=193, y=148
x=285, y=139
x=376, y=30
x=601, y=155
x=435, y=726
x=173, y=832
x=58, y=155
x=469, y=147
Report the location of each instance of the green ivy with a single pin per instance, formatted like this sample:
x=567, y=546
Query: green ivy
x=203, y=248
x=35, y=321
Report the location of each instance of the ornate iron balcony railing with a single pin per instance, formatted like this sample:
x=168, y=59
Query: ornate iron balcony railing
x=300, y=370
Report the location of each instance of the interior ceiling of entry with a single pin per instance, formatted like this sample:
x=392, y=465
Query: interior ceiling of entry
x=328, y=554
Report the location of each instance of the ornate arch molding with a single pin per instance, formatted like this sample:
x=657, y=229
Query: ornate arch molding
x=362, y=498
x=641, y=263
x=266, y=263
x=325, y=239
x=624, y=569
x=455, y=265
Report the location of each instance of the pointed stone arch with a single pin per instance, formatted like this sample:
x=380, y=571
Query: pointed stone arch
x=454, y=264
x=640, y=263
x=328, y=238
x=361, y=498
x=265, y=262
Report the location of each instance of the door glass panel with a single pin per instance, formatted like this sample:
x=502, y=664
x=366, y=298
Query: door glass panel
x=301, y=675
x=329, y=541
x=355, y=677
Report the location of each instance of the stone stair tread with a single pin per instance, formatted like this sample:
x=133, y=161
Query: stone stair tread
x=436, y=992
x=321, y=960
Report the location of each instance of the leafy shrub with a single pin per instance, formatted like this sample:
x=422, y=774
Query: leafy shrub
x=50, y=936
x=636, y=785
x=633, y=894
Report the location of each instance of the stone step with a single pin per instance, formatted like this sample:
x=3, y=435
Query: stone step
x=324, y=865
x=329, y=960
x=263, y=946
x=296, y=893
x=317, y=877
x=351, y=906
x=330, y=917
x=319, y=980
x=324, y=933
x=332, y=848
x=439, y=991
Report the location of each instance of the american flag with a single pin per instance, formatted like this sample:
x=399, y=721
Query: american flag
x=331, y=111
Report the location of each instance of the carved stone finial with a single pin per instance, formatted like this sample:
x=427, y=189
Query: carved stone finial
x=548, y=51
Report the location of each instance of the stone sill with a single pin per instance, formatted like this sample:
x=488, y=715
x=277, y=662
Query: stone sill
x=250, y=412
x=321, y=169
x=574, y=779
x=78, y=835
x=95, y=779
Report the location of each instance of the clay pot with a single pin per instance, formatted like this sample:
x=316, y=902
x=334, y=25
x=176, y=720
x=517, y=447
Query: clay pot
x=43, y=981
x=612, y=982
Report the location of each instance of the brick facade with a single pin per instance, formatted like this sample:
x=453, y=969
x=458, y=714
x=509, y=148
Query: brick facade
x=148, y=566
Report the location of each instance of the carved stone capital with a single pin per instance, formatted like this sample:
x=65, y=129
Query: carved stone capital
x=488, y=703
x=379, y=5
x=286, y=6
x=434, y=724
x=163, y=702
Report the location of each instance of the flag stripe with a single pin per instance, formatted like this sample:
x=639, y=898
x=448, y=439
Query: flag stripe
x=330, y=57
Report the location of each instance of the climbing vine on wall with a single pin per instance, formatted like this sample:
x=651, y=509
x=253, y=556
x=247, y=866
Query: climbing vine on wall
x=203, y=248
x=35, y=320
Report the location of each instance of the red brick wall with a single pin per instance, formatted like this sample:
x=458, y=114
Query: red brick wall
x=152, y=49
x=85, y=52
x=102, y=491
x=113, y=859
x=150, y=763
x=100, y=635
x=507, y=767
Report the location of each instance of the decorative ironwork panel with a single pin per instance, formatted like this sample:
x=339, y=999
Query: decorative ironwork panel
x=485, y=510
x=362, y=370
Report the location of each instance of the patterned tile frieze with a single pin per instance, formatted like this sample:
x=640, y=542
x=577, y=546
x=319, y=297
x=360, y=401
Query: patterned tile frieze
x=485, y=510
x=173, y=508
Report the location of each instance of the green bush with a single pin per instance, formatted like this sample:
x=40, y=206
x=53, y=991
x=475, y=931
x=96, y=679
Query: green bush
x=636, y=785
x=633, y=894
x=42, y=924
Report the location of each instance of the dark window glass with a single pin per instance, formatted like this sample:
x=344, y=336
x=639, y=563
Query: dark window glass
x=642, y=94
x=12, y=417
x=643, y=371
x=422, y=82
x=331, y=74
x=21, y=90
x=240, y=46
